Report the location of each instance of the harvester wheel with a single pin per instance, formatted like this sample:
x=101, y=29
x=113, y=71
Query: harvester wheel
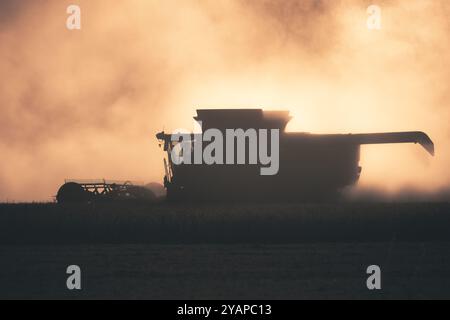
x=72, y=193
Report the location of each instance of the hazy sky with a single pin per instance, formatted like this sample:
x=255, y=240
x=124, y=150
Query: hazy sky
x=87, y=103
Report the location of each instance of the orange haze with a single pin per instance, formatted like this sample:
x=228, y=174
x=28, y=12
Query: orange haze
x=86, y=104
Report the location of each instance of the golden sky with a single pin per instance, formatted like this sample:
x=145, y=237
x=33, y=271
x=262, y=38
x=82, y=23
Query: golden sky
x=87, y=103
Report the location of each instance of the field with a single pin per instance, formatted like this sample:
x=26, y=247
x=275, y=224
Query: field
x=213, y=251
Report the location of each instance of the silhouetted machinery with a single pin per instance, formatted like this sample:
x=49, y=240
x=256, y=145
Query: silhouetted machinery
x=78, y=191
x=311, y=166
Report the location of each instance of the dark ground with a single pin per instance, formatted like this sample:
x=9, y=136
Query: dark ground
x=225, y=251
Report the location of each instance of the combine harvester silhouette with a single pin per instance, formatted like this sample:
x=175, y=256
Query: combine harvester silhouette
x=310, y=167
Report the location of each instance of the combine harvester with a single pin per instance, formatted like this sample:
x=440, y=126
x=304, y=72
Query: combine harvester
x=308, y=167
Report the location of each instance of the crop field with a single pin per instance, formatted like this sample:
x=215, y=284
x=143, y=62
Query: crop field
x=212, y=251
